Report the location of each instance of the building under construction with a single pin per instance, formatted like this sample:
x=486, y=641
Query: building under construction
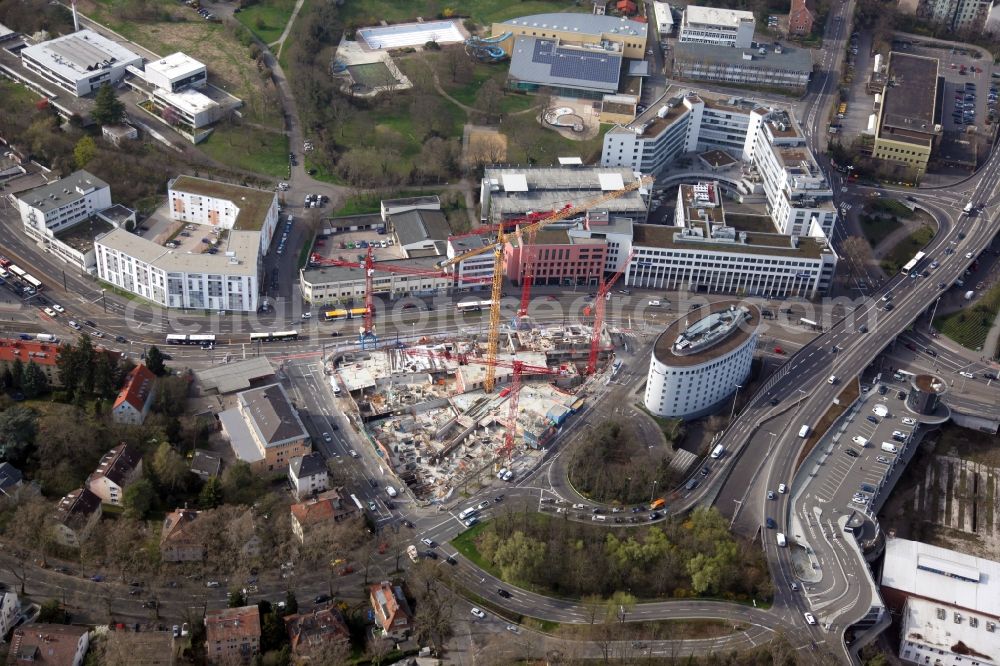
x=426, y=409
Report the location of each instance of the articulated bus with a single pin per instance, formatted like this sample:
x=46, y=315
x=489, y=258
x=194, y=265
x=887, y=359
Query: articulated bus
x=17, y=270
x=276, y=336
x=912, y=264
x=203, y=340
x=32, y=282
x=337, y=315
x=474, y=306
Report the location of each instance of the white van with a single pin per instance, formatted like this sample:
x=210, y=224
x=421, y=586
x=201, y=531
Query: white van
x=390, y=491
x=781, y=540
x=466, y=513
x=860, y=441
x=889, y=448
x=334, y=386
x=804, y=431
x=718, y=451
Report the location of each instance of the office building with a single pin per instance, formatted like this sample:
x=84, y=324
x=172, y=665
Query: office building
x=958, y=16
x=784, y=67
x=222, y=274
x=771, y=141
x=265, y=429
x=61, y=204
x=908, y=126
x=597, y=31
x=664, y=18
x=703, y=253
x=716, y=26
x=701, y=360
x=947, y=604
x=556, y=259
x=327, y=285
x=176, y=72
x=80, y=62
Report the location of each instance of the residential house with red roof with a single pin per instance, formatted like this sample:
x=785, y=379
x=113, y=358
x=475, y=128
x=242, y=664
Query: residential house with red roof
x=392, y=612
x=178, y=540
x=315, y=630
x=323, y=509
x=48, y=645
x=136, y=397
x=44, y=354
x=800, y=19
x=232, y=634
x=118, y=469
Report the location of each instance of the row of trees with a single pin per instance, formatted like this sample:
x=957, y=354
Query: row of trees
x=27, y=378
x=696, y=556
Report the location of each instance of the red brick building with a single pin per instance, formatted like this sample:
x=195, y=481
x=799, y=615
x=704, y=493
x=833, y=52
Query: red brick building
x=232, y=634
x=800, y=19
x=556, y=259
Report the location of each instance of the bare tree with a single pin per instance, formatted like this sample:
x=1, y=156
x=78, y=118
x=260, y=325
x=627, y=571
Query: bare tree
x=488, y=100
x=28, y=535
x=377, y=649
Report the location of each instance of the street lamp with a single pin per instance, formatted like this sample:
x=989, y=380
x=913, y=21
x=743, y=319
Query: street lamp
x=104, y=301
x=732, y=412
x=653, y=493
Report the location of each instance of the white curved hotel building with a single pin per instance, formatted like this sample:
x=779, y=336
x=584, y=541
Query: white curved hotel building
x=696, y=366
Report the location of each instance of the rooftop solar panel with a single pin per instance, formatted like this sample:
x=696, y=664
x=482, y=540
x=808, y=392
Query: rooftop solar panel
x=576, y=63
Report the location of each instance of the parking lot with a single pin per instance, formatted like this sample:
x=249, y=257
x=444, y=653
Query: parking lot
x=353, y=246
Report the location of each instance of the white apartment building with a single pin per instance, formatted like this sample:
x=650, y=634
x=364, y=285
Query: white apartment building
x=59, y=205
x=698, y=365
x=80, y=62
x=719, y=27
x=664, y=19
x=948, y=604
x=211, y=203
x=176, y=279
x=479, y=267
x=10, y=607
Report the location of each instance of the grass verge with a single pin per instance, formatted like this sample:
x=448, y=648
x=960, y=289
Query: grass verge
x=970, y=326
x=249, y=148
x=267, y=19
x=844, y=400
x=371, y=203
x=903, y=252
x=483, y=12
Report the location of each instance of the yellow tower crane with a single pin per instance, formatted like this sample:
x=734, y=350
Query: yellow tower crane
x=497, y=247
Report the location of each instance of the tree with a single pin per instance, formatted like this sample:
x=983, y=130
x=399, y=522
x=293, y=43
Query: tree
x=104, y=377
x=211, y=494
x=52, y=612
x=18, y=427
x=34, y=383
x=291, y=603
x=170, y=469
x=154, y=361
x=171, y=394
x=488, y=100
x=139, y=498
x=237, y=599
x=84, y=152
x=27, y=534
x=240, y=485
x=108, y=109
x=377, y=649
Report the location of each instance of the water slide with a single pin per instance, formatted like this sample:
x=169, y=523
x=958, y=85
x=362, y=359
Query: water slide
x=486, y=49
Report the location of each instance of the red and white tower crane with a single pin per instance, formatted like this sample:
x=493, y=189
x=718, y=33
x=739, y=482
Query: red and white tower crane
x=603, y=292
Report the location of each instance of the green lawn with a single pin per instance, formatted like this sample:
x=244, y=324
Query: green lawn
x=484, y=12
x=968, y=327
x=249, y=148
x=889, y=207
x=903, y=252
x=876, y=228
x=370, y=203
x=17, y=98
x=267, y=19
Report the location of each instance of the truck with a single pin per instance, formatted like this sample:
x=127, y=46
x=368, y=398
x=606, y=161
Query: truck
x=804, y=431
x=46, y=337
x=889, y=448
x=968, y=297
x=411, y=551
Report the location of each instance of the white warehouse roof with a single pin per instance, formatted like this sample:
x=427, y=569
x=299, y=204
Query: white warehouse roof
x=716, y=16
x=80, y=55
x=948, y=576
x=175, y=66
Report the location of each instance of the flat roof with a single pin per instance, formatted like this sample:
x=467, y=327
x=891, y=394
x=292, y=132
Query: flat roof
x=789, y=60
x=329, y=274
x=253, y=203
x=175, y=65
x=60, y=192
x=941, y=574
x=586, y=24
x=547, y=62
x=80, y=54
x=188, y=100
x=240, y=438
x=910, y=93
x=953, y=634
x=778, y=245
x=552, y=188
x=244, y=244
x=709, y=332
x=419, y=226
x=716, y=16
x=81, y=236
x=237, y=376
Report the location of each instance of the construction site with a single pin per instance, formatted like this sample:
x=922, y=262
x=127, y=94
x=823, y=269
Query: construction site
x=427, y=410
x=445, y=412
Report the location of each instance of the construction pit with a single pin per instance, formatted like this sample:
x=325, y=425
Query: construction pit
x=425, y=408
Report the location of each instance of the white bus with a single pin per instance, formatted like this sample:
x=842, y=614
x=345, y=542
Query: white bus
x=357, y=502
x=177, y=339
x=474, y=306
x=912, y=264
x=277, y=336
